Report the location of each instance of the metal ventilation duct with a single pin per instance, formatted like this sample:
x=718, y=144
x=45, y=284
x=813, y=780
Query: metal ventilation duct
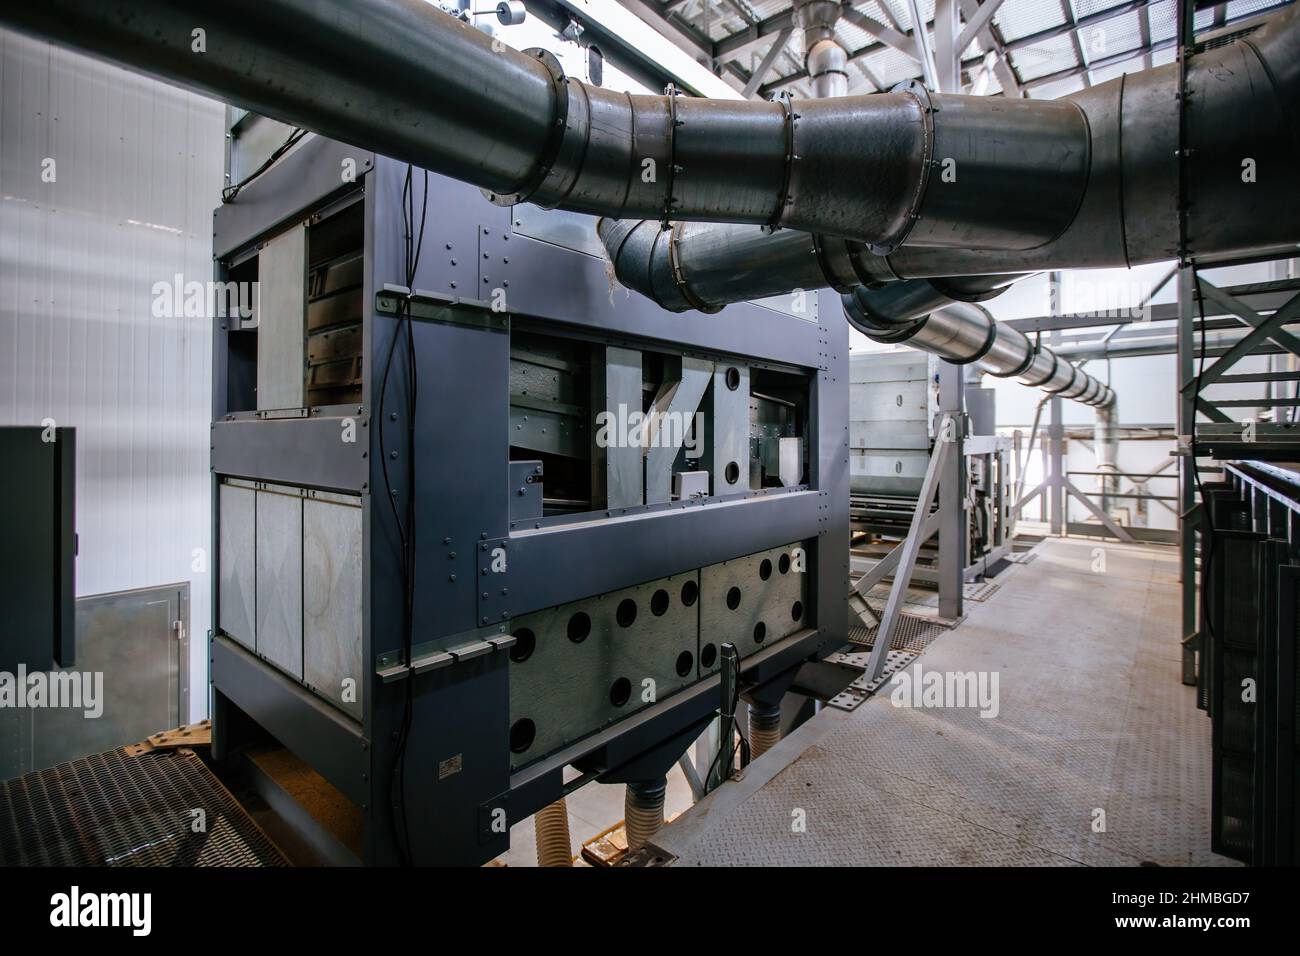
x=404, y=79
x=826, y=60
x=1243, y=132
x=963, y=184
x=948, y=323
x=871, y=189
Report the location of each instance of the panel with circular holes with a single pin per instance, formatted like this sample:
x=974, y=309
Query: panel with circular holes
x=578, y=667
x=753, y=602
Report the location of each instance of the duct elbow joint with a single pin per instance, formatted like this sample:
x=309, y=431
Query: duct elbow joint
x=644, y=258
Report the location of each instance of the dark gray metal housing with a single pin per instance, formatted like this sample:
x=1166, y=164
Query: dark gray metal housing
x=459, y=765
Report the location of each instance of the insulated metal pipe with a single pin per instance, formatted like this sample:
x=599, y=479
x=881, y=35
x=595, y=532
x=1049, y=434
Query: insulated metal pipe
x=826, y=60
x=963, y=332
x=405, y=79
x=1105, y=446
x=1243, y=123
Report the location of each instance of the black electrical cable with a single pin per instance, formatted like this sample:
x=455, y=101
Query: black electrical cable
x=230, y=192
x=406, y=531
x=742, y=743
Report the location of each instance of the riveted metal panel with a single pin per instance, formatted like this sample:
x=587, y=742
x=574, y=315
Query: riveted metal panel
x=281, y=320
x=585, y=656
x=236, y=587
x=727, y=429
x=313, y=451
x=770, y=597
x=332, y=600
x=279, y=580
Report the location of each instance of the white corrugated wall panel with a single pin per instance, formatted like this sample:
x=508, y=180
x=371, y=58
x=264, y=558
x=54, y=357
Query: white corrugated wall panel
x=138, y=169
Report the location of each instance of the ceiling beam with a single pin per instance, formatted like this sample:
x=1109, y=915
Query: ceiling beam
x=922, y=40
x=879, y=32
x=976, y=24
x=731, y=45
x=991, y=39
x=765, y=66
x=1072, y=25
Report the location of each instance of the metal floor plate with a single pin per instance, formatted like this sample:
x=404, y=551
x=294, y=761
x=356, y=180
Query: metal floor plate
x=981, y=591
x=912, y=633
x=113, y=810
x=1097, y=755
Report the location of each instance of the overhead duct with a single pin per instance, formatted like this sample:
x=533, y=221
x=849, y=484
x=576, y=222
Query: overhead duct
x=984, y=184
x=825, y=59
x=1243, y=132
x=404, y=79
x=964, y=333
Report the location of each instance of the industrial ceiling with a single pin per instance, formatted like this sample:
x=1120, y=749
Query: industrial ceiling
x=1039, y=48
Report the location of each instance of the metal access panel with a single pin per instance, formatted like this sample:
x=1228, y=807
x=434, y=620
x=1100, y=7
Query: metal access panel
x=1237, y=569
x=332, y=591
x=727, y=429
x=133, y=677
x=37, y=561
x=618, y=474
x=1286, y=850
x=577, y=668
x=279, y=578
x=753, y=602
x=281, y=320
x=237, y=561
x=891, y=407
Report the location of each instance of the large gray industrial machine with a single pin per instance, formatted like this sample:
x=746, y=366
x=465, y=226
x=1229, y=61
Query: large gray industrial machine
x=449, y=449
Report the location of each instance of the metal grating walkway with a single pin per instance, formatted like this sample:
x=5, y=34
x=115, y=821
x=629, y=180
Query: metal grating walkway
x=113, y=810
x=1092, y=717
x=911, y=633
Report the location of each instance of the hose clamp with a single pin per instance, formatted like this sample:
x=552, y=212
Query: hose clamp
x=1031, y=353
x=824, y=263
x=786, y=101
x=665, y=221
x=1052, y=371
x=926, y=104
x=561, y=159
x=989, y=339
x=679, y=277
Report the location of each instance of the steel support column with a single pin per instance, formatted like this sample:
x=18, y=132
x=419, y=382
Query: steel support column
x=952, y=484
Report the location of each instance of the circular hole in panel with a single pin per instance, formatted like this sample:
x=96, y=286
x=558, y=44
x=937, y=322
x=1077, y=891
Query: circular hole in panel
x=690, y=591
x=784, y=564
x=708, y=656
x=685, y=663
x=733, y=598
x=765, y=569
x=525, y=644
x=522, y=734
x=626, y=612
x=620, y=692
x=732, y=473
x=579, y=627
x=760, y=632
x=659, y=603
x=796, y=611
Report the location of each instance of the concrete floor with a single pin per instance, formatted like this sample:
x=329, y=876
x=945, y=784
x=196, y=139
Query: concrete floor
x=1097, y=755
